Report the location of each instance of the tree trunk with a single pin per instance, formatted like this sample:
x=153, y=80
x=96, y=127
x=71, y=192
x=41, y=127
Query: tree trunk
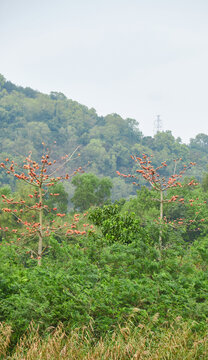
x=40, y=242
x=161, y=220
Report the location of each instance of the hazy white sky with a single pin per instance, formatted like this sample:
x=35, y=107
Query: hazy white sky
x=137, y=58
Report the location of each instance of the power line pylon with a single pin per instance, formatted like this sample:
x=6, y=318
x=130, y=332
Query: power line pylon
x=158, y=126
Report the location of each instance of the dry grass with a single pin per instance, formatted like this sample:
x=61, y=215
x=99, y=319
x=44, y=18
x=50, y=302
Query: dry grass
x=176, y=342
x=5, y=335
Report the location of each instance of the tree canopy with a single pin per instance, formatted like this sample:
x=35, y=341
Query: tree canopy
x=29, y=117
x=90, y=190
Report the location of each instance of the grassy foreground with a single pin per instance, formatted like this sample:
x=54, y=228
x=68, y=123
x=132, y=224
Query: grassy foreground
x=177, y=341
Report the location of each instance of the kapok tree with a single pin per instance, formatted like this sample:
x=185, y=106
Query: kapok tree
x=41, y=177
x=152, y=175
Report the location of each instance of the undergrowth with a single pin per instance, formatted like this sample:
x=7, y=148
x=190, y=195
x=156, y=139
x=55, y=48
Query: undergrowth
x=176, y=341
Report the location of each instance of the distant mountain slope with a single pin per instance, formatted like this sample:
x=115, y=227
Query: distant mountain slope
x=28, y=118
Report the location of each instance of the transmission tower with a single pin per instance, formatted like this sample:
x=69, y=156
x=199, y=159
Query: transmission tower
x=158, y=126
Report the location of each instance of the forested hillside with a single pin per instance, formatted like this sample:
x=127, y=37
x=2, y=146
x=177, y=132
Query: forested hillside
x=111, y=277
x=28, y=118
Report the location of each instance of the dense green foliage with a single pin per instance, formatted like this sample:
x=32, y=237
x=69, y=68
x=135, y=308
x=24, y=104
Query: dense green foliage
x=90, y=190
x=103, y=282
x=104, y=277
x=117, y=268
x=28, y=117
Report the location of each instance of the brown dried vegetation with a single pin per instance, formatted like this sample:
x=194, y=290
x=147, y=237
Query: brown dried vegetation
x=176, y=342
